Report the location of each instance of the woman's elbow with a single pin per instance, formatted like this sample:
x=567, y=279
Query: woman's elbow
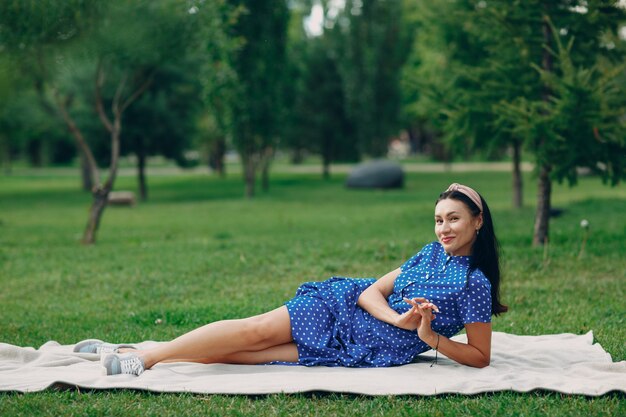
x=360, y=301
x=482, y=362
x=365, y=297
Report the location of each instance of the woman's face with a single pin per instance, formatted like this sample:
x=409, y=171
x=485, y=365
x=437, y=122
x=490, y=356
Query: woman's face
x=456, y=227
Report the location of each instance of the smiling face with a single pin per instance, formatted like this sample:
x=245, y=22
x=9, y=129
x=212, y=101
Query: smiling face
x=456, y=226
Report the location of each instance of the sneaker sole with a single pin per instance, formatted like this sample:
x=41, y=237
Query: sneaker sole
x=87, y=342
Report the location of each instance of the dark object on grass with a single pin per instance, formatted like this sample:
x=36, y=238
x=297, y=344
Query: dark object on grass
x=376, y=174
x=556, y=212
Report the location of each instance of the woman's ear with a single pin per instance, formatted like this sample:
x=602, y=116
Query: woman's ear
x=479, y=221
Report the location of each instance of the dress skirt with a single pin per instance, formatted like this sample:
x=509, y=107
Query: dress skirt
x=330, y=329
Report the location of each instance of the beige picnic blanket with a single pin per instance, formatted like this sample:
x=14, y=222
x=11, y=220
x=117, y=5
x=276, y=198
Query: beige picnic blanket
x=566, y=363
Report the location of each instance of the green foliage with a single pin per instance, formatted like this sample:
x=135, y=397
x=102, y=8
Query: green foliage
x=371, y=47
x=196, y=253
x=481, y=61
x=258, y=63
x=32, y=133
x=162, y=122
x=319, y=122
x=583, y=120
x=346, y=91
x=60, y=45
x=217, y=51
x=27, y=25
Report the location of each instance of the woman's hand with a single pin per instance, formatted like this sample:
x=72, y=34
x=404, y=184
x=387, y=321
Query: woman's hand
x=425, y=310
x=411, y=319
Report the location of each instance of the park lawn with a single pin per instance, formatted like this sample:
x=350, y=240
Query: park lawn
x=198, y=252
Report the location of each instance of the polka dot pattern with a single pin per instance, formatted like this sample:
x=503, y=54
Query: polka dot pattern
x=330, y=329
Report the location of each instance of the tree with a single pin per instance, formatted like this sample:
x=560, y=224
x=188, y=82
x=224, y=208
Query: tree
x=346, y=90
x=422, y=50
x=220, y=84
x=464, y=67
x=256, y=106
x=8, y=78
x=162, y=122
x=578, y=98
x=517, y=87
x=316, y=119
x=30, y=132
x=319, y=121
x=31, y=31
x=371, y=50
x=123, y=44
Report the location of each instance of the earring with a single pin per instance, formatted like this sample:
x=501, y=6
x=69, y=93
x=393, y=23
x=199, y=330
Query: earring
x=477, y=230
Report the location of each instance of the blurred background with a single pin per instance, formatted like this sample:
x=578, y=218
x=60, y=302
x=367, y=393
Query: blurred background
x=207, y=85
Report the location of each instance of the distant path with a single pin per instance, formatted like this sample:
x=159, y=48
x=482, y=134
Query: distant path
x=412, y=167
x=285, y=168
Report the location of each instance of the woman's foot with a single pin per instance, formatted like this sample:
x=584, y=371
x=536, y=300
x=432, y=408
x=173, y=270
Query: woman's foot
x=126, y=363
x=99, y=347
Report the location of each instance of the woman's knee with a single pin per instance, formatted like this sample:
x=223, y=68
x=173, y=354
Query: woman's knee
x=266, y=330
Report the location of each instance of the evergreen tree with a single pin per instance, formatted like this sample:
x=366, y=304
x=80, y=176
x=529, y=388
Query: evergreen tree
x=257, y=102
x=320, y=123
x=540, y=75
x=372, y=48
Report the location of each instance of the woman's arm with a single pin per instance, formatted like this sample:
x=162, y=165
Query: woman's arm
x=374, y=301
x=477, y=351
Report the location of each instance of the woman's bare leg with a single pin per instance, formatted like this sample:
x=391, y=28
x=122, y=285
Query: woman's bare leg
x=287, y=352
x=283, y=353
x=227, y=338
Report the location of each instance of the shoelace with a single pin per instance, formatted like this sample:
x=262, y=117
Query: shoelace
x=106, y=348
x=132, y=365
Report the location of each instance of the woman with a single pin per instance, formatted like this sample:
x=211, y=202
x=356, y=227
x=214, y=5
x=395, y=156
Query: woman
x=449, y=285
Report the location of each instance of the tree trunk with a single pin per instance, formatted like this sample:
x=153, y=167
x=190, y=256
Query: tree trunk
x=544, y=188
x=249, y=174
x=85, y=171
x=266, y=161
x=141, y=172
x=326, y=169
x=101, y=193
x=83, y=148
x=98, y=205
x=297, y=155
x=34, y=151
x=265, y=177
x=217, y=152
x=517, y=176
x=542, y=215
x=326, y=159
x=5, y=151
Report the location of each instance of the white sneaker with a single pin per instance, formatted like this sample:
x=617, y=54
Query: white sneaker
x=98, y=346
x=122, y=363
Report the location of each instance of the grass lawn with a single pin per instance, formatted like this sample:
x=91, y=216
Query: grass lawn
x=198, y=252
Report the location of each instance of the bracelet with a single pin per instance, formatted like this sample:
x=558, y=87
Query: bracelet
x=436, y=351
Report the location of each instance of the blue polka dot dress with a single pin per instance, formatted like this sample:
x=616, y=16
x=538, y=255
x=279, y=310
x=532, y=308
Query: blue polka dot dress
x=330, y=329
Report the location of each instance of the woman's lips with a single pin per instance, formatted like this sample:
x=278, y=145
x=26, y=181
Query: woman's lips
x=446, y=239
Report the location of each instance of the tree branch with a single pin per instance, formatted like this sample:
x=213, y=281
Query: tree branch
x=78, y=135
x=39, y=81
x=138, y=92
x=115, y=106
x=98, y=97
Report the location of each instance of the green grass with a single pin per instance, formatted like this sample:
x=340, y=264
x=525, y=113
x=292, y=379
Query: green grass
x=198, y=252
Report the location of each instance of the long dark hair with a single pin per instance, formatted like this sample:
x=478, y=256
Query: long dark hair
x=485, y=250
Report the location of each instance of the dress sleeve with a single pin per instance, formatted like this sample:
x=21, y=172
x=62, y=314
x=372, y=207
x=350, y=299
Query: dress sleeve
x=415, y=259
x=474, y=302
